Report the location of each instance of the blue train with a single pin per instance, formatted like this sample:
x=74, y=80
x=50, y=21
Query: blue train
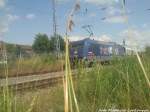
x=89, y=49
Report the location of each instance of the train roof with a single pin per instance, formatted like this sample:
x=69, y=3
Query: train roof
x=88, y=40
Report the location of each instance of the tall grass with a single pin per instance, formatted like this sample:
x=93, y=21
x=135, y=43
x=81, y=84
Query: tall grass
x=100, y=87
x=70, y=96
x=120, y=85
x=133, y=41
x=34, y=65
x=117, y=86
x=6, y=94
x=70, y=100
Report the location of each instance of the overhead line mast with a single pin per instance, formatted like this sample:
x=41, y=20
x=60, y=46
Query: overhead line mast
x=54, y=17
x=57, y=40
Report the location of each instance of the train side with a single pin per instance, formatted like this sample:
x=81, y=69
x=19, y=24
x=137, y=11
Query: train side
x=91, y=49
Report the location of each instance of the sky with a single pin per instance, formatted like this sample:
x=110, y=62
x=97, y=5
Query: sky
x=21, y=20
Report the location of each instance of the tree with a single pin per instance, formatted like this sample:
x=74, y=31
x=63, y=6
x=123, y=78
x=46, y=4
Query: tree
x=41, y=44
x=57, y=38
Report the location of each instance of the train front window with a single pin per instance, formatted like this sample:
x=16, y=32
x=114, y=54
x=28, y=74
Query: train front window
x=106, y=51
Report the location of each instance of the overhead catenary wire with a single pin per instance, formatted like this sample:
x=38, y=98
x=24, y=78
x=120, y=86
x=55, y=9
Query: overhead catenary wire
x=88, y=29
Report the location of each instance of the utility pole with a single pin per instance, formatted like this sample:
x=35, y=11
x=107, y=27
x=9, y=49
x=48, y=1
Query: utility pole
x=54, y=17
x=57, y=45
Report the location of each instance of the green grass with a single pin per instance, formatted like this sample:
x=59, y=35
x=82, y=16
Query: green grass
x=120, y=85
x=36, y=100
x=32, y=65
x=48, y=100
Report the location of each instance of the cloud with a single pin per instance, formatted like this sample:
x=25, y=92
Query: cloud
x=116, y=19
x=5, y=21
x=8, y=19
x=92, y=14
x=105, y=38
x=113, y=11
x=144, y=25
x=3, y=28
x=2, y=3
x=114, y=15
x=30, y=16
x=102, y=2
x=12, y=18
x=76, y=38
x=136, y=38
x=61, y=0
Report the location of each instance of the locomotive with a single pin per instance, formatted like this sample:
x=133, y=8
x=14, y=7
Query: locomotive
x=89, y=49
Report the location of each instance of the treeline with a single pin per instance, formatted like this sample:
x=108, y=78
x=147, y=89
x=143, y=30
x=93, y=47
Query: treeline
x=44, y=44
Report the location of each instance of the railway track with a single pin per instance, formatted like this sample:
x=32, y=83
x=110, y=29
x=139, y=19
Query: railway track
x=33, y=81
